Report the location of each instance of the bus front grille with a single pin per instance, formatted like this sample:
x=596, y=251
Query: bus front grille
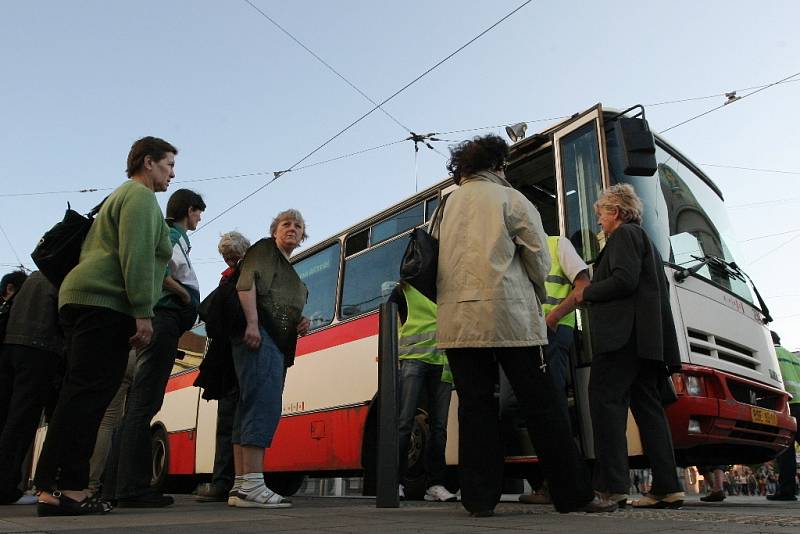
x=755, y=396
x=711, y=346
x=755, y=432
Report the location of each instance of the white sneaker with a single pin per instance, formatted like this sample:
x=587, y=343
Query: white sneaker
x=439, y=493
x=401, y=492
x=261, y=497
x=26, y=499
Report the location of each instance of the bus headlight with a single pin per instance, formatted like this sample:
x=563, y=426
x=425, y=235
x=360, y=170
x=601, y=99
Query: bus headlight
x=694, y=386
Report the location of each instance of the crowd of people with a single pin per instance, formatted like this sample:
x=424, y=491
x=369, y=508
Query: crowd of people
x=95, y=354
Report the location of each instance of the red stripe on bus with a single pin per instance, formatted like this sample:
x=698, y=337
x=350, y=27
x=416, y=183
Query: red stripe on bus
x=338, y=335
x=181, y=452
x=183, y=380
x=321, y=441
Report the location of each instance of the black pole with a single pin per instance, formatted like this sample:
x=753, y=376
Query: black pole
x=388, y=452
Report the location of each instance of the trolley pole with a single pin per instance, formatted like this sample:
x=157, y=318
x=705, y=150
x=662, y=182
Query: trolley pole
x=388, y=447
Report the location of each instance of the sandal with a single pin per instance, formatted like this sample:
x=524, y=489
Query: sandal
x=67, y=506
x=672, y=501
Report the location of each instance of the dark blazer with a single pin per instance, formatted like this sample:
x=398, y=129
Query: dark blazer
x=629, y=296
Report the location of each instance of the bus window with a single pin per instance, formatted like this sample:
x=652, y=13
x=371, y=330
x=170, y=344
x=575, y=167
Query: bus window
x=580, y=162
x=370, y=277
x=356, y=242
x=535, y=177
x=430, y=207
x=397, y=224
x=320, y=273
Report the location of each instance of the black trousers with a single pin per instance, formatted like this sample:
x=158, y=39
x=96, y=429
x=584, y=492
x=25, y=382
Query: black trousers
x=480, y=449
x=129, y=465
x=27, y=377
x=620, y=380
x=97, y=354
x=787, y=461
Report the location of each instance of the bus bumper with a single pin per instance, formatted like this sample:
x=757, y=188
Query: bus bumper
x=720, y=418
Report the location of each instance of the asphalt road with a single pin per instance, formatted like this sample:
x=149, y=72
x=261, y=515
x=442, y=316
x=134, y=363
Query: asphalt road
x=359, y=515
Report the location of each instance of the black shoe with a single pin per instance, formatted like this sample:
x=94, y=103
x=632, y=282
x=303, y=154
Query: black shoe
x=67, y=506
x=482, y=513
x=210, y=492
x=598, y=505
x=781, y=497
x=148, y=500
x=714, y=496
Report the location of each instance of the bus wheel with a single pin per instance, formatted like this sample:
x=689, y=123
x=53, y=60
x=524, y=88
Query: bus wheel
x=284, y=484
x=414, y=481
x=159, y=447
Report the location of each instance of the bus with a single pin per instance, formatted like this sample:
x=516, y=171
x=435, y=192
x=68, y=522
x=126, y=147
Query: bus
x=731, y=407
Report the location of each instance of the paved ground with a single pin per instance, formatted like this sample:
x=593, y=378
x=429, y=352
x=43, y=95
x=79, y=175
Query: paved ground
x=359, y=515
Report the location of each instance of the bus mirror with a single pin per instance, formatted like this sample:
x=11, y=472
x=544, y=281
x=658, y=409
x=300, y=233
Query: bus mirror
x=637, y=145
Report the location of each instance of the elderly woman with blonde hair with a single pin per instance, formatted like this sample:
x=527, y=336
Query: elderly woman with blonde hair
x=272, y=298
x=634, y=344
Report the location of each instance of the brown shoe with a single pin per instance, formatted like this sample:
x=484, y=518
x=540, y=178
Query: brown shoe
x=535, y=498
x=598, y=505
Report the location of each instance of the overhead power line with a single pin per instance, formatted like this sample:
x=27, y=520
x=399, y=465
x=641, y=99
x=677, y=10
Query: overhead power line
x=732, y=98
x=368, y=113
x=327, y=65
x=774, y=249
x=769, y=235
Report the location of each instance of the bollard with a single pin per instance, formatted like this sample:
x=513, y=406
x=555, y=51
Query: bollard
x=388, y=480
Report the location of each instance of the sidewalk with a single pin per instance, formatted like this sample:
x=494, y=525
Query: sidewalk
x=359, y=515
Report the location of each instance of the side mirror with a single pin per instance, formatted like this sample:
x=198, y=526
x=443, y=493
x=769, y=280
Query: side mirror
x=637, y=145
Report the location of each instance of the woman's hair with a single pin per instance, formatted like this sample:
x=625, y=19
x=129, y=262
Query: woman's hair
x=17, y=278
x=233, y=244
x=486, y=153
x=291, y=214
x=147, y=146
x=181, y=201
x=623, y=198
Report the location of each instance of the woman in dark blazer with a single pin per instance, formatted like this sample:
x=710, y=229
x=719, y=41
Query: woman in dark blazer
x=634, y=343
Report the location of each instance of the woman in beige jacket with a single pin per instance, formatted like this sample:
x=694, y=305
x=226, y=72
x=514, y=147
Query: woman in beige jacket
x=493, y=259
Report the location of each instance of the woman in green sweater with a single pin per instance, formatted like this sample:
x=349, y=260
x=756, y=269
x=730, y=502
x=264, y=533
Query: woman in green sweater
x=105, y=305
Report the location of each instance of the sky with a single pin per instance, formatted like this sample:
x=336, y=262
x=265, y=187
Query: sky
x=82, y=79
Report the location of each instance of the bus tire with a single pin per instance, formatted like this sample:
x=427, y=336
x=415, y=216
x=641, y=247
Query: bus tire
x=285, y=484
x=414, y=483
x=159, y=447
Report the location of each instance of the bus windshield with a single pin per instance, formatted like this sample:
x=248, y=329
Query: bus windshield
x=685, y=218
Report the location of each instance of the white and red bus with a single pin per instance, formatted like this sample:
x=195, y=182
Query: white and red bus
x=731, y=406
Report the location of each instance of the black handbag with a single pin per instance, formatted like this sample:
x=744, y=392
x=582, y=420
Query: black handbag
x=59, y=249
x=666, y=391
x=420, y=260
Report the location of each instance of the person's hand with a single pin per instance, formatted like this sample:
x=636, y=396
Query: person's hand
x=552, y=321
x=144, y=333
x=578, y=294
x=302, y=328
x=252, y=337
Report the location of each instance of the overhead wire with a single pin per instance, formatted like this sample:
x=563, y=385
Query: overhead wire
x=327, y=65
x=11, y=246
x=497, y=126
x=730, y=101
x=278, y=174
x=774, y=249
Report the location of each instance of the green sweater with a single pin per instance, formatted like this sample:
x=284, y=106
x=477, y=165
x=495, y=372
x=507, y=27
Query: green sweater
x=124, y=257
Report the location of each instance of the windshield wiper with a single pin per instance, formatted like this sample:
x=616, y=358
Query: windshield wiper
x=731, y=270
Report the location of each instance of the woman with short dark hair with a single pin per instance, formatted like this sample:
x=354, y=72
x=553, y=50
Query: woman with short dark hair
x=105, y=306
x=493, y=260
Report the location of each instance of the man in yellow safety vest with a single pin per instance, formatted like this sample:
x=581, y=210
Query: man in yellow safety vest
x=422, y=368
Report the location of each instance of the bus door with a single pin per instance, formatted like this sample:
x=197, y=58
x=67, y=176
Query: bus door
x=581, y=174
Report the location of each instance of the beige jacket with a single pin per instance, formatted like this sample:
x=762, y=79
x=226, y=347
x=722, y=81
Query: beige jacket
x=493, y=260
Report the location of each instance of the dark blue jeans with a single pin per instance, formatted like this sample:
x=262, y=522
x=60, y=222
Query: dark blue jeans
x=415, y=377
x=129, y=469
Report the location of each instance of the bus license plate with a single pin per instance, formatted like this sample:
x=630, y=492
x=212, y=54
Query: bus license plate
x=765, y=417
